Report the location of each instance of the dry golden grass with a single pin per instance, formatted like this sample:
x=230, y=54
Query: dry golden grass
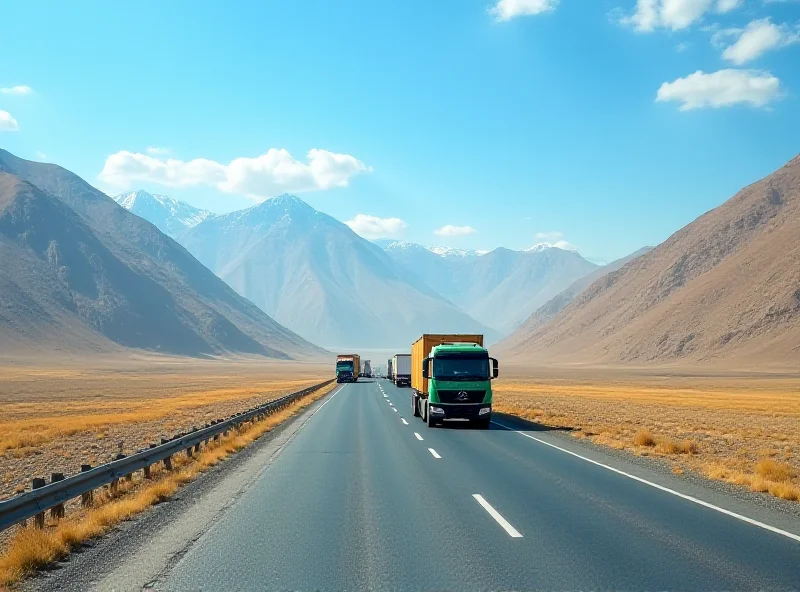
x=55, y=418
x=31, y=548
x=744, y=429
x=774, y=470
x=644, y=438
x=109, y=400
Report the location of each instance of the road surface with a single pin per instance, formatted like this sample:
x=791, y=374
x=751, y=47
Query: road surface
x=365, y=496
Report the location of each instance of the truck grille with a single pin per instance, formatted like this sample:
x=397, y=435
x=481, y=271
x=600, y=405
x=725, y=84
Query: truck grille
x=461, y=396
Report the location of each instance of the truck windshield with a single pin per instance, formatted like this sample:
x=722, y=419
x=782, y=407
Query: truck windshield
x=344, y=366
x=461, y=367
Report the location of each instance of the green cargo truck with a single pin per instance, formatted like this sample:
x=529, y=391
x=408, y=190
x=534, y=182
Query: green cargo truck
x=451, y=379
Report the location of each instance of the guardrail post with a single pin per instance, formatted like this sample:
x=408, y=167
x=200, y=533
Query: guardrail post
x=196, y=446
x=114, y=485
x=168, y=460
x=86, y=498
x=147, y=468
x=37, y=483
x=57, y=512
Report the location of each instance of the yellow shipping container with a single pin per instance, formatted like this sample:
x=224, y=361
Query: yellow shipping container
x=421, y=349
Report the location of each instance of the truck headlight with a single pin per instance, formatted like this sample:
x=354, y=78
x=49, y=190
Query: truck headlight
x=485, y=410
x=437, y=410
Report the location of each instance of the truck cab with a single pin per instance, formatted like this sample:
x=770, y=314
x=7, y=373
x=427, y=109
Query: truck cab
x=458, y=377
x=347, y=368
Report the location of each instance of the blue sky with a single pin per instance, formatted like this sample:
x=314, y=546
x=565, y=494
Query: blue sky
x=531, y=120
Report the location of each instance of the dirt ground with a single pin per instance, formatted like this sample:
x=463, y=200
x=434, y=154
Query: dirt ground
x=56, y=416
x=743, y=428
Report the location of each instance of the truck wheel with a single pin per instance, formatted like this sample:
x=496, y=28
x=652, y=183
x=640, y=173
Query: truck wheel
x=414, y=403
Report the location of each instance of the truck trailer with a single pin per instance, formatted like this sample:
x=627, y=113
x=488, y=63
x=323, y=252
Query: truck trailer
x=401, y=366
x=366, y=372
x=451, y=379
x=348, y=367
x=389, y=369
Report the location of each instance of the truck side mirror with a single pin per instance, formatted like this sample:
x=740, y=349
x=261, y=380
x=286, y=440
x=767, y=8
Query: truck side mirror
x=426, y=368
x=495, y=370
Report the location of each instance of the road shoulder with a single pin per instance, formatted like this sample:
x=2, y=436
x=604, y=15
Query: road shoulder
x=136, y=552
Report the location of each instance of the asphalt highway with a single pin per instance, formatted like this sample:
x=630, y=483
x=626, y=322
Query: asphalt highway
x=366, y=497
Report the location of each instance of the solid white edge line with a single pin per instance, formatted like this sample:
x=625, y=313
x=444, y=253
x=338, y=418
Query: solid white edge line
x=496, y=515
x=339, y=390
x=434, y=454
x=418, y=436
x=688, y=498
x=403, y=420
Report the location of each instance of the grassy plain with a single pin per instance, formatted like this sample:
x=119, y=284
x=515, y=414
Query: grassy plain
x=54, y=416
x=743, y=428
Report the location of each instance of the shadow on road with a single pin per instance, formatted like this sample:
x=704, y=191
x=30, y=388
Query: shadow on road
x=511, y=421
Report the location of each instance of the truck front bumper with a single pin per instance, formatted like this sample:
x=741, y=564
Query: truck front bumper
x=461, y=411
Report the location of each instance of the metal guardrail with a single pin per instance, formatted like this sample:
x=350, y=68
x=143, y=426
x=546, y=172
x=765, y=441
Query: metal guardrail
x=48, y=497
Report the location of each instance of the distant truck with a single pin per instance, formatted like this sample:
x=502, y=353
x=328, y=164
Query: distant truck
x=367, y=370
x=401, y=368
x=451, y=379
x=389, y=369
x=348, y=367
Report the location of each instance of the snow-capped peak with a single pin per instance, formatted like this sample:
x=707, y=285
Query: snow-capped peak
x=539, y=247
x=436, y=250
x=168, y=214
x=405, y=245
x=451, y=252
x=560, y=245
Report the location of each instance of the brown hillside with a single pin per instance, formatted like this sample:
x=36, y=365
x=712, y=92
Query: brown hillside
x=723, y=290
x=77, y=271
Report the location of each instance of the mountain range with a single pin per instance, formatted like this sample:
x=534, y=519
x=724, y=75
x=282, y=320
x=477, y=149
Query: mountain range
x=80, y=273
x=500, y=288
x=170, y=216
x=724, y=290
x=315, y=275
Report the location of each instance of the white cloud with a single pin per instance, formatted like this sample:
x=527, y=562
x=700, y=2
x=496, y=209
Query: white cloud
x=552, y=239
x=156, y=151
x=757, y=38
x=721, y=89
x=16, y=90
x=673, y=14
x=562, y=244
x=724, y=6
x=261, y=177
x=450, y=230
x=505, y=10
x=7, y=123
x=374, y=227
